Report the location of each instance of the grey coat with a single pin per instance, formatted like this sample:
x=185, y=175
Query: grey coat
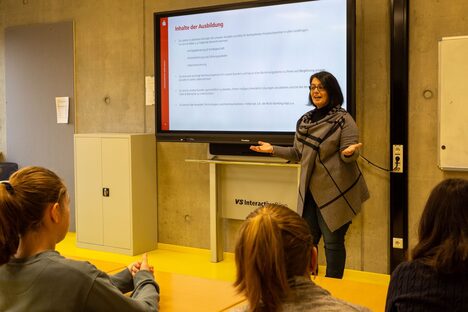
x=335, y=181
x=50, y=282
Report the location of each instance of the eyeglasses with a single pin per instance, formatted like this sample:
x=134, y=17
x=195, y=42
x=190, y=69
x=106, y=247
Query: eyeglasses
x=320, y=88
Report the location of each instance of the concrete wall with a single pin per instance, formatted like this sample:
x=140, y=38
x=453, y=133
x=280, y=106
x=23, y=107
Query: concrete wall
x=2, y=86
x=429, y=22
x=114, y=51
x=372, y=97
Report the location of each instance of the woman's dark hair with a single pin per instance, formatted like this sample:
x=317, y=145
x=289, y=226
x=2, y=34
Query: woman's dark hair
x=23, y=200
x=443, y=228
x=332, y=86
x=274, y=244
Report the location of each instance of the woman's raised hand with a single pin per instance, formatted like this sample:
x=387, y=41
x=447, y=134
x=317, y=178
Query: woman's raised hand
x=262, y=147
x=351, y=149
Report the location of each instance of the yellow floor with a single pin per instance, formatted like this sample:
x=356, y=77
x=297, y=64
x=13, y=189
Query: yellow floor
x=186, y=275
x=167, y=258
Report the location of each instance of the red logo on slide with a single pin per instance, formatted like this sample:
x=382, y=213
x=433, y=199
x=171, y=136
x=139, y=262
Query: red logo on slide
x=164, y=74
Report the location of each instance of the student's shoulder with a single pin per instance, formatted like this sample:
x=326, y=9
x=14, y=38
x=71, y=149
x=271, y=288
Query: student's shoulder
x=75, y=267
x=412, y=273
x=410, y=266
x=403, y=268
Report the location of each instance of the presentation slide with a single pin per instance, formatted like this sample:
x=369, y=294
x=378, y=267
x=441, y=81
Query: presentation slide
x=248, y=69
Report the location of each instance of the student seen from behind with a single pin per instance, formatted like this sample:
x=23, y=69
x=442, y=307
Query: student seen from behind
x=436, y=276
x=275, y=256
x=34, y=217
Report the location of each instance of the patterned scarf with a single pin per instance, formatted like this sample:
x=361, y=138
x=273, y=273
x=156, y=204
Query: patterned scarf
x=313, y=133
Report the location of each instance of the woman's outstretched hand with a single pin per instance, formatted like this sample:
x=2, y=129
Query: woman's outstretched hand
x=262, y=147
x=349, y=151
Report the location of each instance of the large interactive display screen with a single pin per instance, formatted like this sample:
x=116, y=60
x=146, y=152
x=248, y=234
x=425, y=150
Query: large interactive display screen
x=240, y=73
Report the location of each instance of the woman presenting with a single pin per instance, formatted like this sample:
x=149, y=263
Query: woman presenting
x=331, y=187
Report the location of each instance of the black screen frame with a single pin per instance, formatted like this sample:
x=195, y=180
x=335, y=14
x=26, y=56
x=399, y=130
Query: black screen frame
x=246, y=137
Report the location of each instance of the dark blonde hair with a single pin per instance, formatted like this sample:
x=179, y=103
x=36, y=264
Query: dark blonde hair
x=23, y=200
x=443, y=228
x=274, y=244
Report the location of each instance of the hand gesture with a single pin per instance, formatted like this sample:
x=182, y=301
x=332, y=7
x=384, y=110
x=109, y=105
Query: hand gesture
x=140, y=265
x=134, y=267
x=144, y=264
x=262, y=147
x=349, y=151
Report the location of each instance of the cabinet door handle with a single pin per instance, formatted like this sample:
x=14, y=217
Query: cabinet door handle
x=105, y=192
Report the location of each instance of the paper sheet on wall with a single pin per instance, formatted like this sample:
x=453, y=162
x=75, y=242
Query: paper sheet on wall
x=149, y=86
x=62, y=103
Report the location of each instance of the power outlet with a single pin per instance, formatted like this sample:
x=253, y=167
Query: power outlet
x=397, y=164
x=398, y=243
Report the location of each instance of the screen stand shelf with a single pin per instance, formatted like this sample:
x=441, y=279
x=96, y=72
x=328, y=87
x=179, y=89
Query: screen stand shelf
x=289, y=176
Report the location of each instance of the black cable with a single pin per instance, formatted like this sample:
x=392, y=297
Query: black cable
x=381, y=168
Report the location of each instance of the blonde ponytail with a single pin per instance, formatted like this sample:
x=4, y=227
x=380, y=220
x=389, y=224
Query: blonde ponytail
x=9, y=236
x=268, y=234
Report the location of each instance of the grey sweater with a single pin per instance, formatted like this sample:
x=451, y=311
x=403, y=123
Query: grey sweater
x=336, y=183
x=307, y=296
x=50, y=282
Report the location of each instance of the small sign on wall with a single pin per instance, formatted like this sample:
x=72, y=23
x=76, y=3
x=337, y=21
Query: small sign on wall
x=62, y=106
x=149, y=87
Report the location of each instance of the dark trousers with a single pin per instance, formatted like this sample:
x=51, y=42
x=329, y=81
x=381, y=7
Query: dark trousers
x=335, y=252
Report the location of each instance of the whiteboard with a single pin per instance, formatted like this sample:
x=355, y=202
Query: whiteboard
x=453, y=104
